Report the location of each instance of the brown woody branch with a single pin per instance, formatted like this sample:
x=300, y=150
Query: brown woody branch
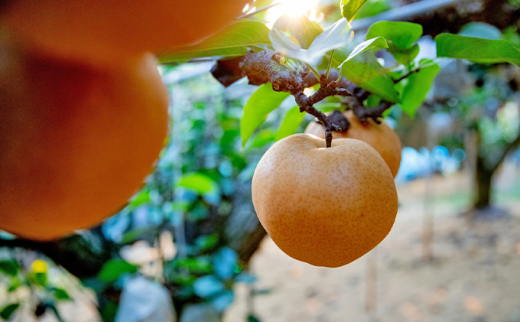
x=269, y=66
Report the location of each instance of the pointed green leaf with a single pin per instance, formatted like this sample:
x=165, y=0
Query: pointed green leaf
x=114, y=268
x=372, y=8
x=259, y=105
x=477, y=50
x=261, y=138
x=400, y=34
x=372, y=101
x=285, y=45
x=198, y=182
x=139, y=199
x=374, y=43
x=417, y=88
x=301, y=28
x=61, y=294
x=8, y=311
x=349, y=8
x=404, y=56
x=365, y=71
x=333, y=37
x=480, y=30
x=41, y=279
x=290, y=123
x=231, y=41
x=9, y=267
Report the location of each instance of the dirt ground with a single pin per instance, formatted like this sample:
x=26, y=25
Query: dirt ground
x=474, y=274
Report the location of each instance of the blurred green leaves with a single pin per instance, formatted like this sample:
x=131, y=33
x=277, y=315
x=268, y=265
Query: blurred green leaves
x=114, y=268
x=301, y=28
x=478, y=50
x=480, y=30
x=9, y=267
x=292, y=120
x=349, y=8
x=262, y=102
x=8, y=311
x=417, y=88
x=333, y=37
x=365, y=71
x=231, y=41
x=197, y=182
x=400, y=34
x=371, y=44
x=61, y=294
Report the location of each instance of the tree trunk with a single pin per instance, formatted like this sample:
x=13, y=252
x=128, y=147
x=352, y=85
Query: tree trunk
x=483, y=183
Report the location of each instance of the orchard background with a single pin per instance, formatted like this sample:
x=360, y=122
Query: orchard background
x=189, y=246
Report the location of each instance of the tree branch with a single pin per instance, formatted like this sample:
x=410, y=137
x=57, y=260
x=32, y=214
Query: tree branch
x=406, y=75
x=269, y=66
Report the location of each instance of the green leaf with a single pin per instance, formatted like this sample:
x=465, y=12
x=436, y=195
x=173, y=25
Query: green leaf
x=333, y=37
x=262, y=138
x=198, y=182
x=292, y=120
x=41, y=279
x=417, y=88
x=372, y=101
x=374, y=43
x=477, y=50
x=301, y=28
x=372, y=8
x=139, y=199
x=259, y=105
x=204, y=243
x=132, y=235
x=114, y=268
x=480, y=30
x=252, y=318
x=9, y=267
x=349, y=8
x=8, y=311
x=400, y=34
x=365, y=71
x=61, y=294
x=180, y=206
x=231, y=41
x=194, y=264
x=15, y=283
x=404, y=56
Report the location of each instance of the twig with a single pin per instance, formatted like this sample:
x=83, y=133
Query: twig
x=306, y=105
x=407, y=75
x=363, y=113
x=269, y=66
